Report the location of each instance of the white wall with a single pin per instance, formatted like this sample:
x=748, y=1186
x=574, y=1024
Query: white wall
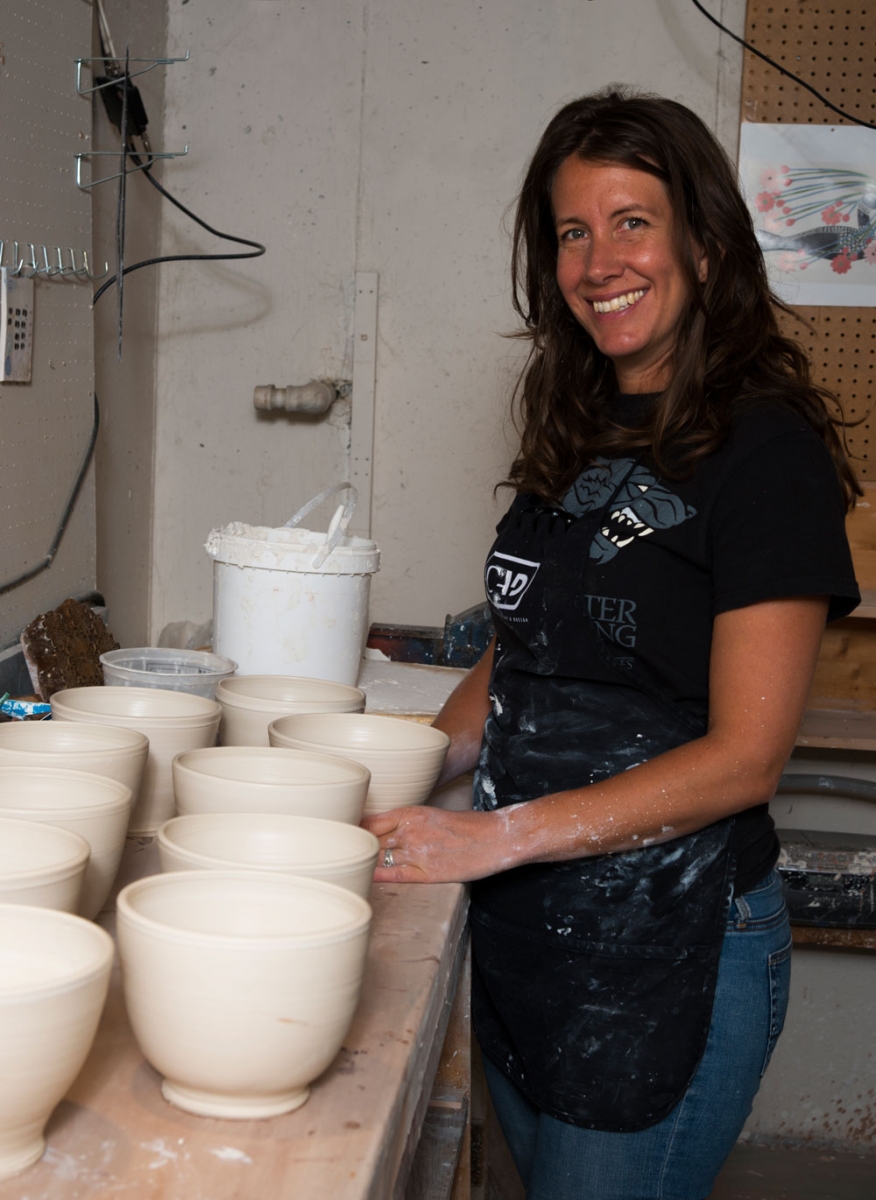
x=124, y=460
x=371, y=135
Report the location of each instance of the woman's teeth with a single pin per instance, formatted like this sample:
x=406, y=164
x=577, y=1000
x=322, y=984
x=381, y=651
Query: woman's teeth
x=604, y=306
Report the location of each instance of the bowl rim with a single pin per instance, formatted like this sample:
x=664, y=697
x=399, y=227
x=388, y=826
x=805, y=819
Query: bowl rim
x=348, y=862
x=31, y=914
x=228, y=692
x=126, y=911
x=441, y=739
x=66, y=866
x=201, y=710
x=116, y=792
x=353, y=771
x=133, y=740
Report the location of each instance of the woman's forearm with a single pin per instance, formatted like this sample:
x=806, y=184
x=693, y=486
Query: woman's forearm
x=762, y=664
x=673, y=794
x=763, y=658
x=676, y=793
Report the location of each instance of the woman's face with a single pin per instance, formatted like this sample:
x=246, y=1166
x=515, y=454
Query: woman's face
x=618, y=267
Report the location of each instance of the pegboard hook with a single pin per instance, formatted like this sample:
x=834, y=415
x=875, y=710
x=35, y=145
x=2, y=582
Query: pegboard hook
x=114, y=79
x=87, y=270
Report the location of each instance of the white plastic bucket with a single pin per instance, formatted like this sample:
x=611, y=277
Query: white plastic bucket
x=290, y=601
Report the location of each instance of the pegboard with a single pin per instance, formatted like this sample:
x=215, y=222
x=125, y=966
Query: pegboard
x=831, y=47
x=46, y=423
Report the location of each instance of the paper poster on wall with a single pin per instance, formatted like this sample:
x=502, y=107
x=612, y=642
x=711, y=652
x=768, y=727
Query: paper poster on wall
x=811, y=190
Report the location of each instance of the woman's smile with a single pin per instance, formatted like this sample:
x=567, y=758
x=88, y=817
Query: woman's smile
x=617, y=303
x=618, y=266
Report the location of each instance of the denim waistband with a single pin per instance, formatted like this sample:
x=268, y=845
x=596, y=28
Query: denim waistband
x=762, y=904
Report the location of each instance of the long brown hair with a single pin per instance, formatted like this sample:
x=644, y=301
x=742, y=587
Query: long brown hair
x=729, y=349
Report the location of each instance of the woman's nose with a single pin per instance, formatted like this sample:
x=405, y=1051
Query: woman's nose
x=603, y=260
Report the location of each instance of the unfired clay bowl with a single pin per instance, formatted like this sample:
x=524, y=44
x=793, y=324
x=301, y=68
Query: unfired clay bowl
x=172, y=721
x=98, y=749
x=93, y=806
x=404, y=757
x=262, y=779
x=240, y=985
x=41, y=865
x=251, y=702
x=330, y=850
x=54, y=974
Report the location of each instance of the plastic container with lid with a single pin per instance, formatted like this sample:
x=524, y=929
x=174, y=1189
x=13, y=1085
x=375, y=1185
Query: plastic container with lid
x=194, y=671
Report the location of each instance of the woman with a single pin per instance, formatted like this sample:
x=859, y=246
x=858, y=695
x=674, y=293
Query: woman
x=659, y=589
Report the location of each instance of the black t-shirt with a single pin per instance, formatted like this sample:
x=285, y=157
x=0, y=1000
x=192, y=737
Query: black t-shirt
x=761, y=518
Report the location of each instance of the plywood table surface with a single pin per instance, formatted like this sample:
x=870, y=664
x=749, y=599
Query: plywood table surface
x=115, y=1136
x=413, y=689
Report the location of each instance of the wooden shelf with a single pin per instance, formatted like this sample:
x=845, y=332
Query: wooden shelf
x=838, y=729
x=837, y=939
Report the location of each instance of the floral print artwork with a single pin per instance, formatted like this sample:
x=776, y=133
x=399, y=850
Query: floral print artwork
x=812, y=195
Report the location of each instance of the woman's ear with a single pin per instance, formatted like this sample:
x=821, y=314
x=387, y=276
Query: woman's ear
x=702, y=262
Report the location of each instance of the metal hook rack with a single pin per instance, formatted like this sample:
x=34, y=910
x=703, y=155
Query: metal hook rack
x=153, y=63
x=28, y=268
x=149, y=155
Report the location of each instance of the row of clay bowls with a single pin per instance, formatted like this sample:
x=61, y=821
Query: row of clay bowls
x=62, y=832
x=171, y=721
x=199, y=942
x=334, y=764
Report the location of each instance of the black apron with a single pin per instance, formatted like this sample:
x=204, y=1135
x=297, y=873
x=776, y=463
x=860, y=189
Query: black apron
x=594, y=978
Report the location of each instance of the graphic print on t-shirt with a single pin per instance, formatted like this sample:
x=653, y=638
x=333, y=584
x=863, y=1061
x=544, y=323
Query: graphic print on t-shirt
x=614, y=618
x=637, y=505
x=508, y=579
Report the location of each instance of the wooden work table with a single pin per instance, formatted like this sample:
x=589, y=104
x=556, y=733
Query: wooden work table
x=115, y=1136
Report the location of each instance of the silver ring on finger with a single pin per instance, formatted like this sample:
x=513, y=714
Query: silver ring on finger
x=388, y=860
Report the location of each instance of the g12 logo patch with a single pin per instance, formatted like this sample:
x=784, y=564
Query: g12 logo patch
x=508, y=579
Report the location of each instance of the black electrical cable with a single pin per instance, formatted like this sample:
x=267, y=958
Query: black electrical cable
x=65, y=516
x=257, y=251
x=789, y=74
x=123, y=188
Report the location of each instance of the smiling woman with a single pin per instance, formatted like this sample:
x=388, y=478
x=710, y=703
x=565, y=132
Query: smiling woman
x=659, y=588
x=618, y=268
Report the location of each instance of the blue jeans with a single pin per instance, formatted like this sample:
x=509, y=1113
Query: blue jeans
x=679, y=1158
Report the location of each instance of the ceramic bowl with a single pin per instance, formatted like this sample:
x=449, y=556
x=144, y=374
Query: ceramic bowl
x=329, y=850
x=404, y=757
x=54, y=974
x=172, y=721
x=97, y=749
x=240, y=985
x=93, y=806
x=256, y=779
x=251, y=702
x=41, y=865
x=195, y=671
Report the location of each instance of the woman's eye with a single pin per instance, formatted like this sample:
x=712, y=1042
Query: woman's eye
x=635, y=222
x=572, y=235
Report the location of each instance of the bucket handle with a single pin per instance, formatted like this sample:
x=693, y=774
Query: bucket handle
x=338, y=524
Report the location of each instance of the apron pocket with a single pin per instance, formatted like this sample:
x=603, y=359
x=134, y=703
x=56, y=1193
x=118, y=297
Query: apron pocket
x=607, y=1049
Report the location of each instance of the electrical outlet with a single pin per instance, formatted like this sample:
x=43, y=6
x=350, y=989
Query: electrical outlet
x=18, y=359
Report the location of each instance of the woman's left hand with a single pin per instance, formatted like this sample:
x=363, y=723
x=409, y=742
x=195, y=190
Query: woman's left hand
x=434, y=845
